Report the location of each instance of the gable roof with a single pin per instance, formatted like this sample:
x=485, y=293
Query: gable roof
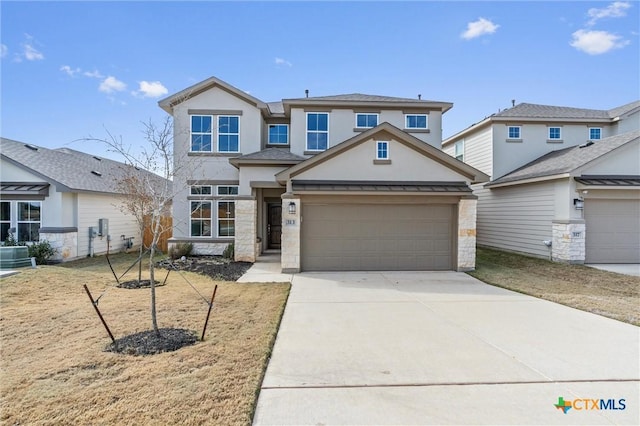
x=70, y=170
x=168, y=103
x=566, y=160
x=537, y=112
x=387, y=130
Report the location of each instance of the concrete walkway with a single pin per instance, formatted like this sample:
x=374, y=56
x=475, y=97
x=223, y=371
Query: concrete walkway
x=442, y=348
x=266, y=269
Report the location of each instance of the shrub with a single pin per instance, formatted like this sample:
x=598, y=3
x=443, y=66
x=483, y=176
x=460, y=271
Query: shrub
x=42, y=251
x=229, y=252
x=11, y=241
x=181, y=249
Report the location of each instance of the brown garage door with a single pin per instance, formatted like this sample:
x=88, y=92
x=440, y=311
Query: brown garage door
x=368, y=237
x=612, y=231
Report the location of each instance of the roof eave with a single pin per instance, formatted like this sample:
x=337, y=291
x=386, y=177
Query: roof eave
x=237, y=162
x=524, y=181
x=428, y=105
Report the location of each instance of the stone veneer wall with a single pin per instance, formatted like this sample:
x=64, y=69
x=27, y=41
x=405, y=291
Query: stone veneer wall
x=65, y=243
x=246, y=225
x=467, y=234
x=568, y=241
x=290, y=251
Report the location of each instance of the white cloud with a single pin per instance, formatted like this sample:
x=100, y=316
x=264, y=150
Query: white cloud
x=151, y=89
x=280, y=61
x=93, y=74
x=616, y=9
x=478, y=28
x=597, y=42
x=3, y=50
x=111, y=84
x=69, y=71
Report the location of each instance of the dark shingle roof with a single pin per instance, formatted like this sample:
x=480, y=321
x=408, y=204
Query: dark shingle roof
x=525, y=110
x=568, y=159
x=69, y=169
x=272, y=154
x=360, y=97
x=275, y=107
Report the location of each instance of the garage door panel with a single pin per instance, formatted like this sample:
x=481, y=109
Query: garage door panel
x=612, y=231
x=377, y=237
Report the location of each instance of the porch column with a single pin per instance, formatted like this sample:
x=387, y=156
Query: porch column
x=245, y=239
x=290, y=251
x=467, y=234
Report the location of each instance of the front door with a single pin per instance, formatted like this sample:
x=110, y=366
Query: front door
x=274, y=226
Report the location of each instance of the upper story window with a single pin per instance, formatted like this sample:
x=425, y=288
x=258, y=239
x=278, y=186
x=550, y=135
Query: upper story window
x=201, y=190
x=555, y=133
x=382, y=150
x=416, y=121
x=317, y=131
x=201, y=133
x=459, y=150
x=228, y=190
x=228, y=133
x=514, y=132
x=278, y=134
x=366, y=120
x=595, y=133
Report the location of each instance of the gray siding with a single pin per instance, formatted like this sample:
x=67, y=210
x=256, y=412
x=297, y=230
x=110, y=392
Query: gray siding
x=516, y=218
x=478, y=150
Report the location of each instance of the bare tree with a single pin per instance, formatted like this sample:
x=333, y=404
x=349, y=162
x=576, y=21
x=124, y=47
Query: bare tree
x=147, y=187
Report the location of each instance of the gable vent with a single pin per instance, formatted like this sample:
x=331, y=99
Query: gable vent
x=97, y=158
x=31, y=147
x=96, y=173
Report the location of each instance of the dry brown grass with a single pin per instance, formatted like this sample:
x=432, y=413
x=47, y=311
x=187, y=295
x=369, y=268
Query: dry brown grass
x=55, y=370
x=604, y=293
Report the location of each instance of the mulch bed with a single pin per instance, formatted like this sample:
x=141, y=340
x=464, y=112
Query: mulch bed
x=133, y=284
x=149, y=343
x=216, y=267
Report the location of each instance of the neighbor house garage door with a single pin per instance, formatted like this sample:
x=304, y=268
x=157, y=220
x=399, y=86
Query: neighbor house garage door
x=612, y=231
x=367, y=237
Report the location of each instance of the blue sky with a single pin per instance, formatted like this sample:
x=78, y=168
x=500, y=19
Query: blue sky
x=73, y=69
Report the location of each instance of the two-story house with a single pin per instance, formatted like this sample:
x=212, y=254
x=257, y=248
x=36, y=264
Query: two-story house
x=565, y=182
x=347, y=182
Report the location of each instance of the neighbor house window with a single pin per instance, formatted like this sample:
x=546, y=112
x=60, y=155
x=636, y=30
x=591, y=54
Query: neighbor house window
x=459, y=150
x=5, y=219
x=201, y=218
x=317, y=131
x=29, y=216
x=201, y=133
x=595, y=133
x=228, y=190
x=366, y=120
x=201, y=190
x=513, y=132
x=228, y=133
x=416, y=121
x=555, y=133
x=382, y=150
x=278, y=134
x=226, y=218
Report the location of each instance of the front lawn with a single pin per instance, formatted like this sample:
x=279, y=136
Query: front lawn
x=604, y=293
x=54, y=369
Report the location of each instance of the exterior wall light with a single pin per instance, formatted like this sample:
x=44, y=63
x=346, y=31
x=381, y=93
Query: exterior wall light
x=292, y=208
x=578, y=203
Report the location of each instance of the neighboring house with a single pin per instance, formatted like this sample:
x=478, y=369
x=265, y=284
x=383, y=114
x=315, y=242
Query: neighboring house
x=60, y=195
x=348, y=182
x=569, y=177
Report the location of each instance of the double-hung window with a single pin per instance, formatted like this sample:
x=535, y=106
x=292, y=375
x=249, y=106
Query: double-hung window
x=416, y=121
x=382, y=150
x=228, y=133
x=29, y=214
x=366, y=120
x=201, y=133
x=595, y=133
x=513, y=132
x=317, y=131
x=555, y=133
x=200, y=218
x=278, y=134
x=226, y=218
x=459, y=150
x=5, y=219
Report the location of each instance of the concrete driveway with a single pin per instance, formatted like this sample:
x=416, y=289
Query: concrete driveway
x=443, y=348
